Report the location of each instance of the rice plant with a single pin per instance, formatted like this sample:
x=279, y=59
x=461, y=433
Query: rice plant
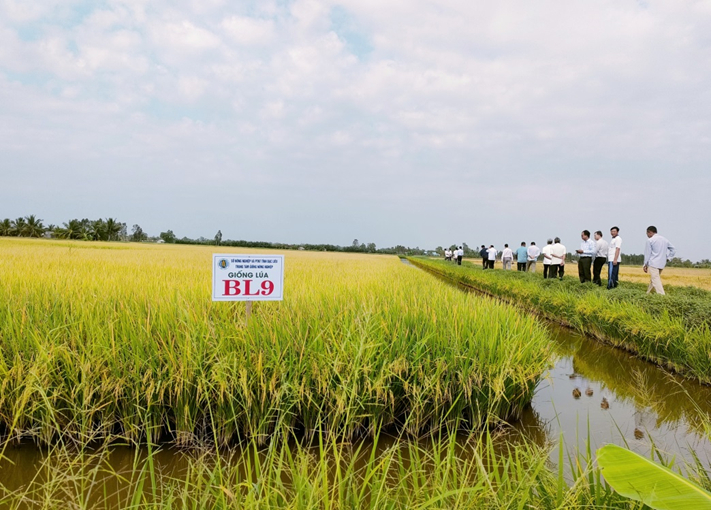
x=98, y=344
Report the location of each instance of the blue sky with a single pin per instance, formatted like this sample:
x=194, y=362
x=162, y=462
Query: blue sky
x=415, y=123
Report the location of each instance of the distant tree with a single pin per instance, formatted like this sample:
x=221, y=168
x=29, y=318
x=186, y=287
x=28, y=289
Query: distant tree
x=113, y=229
x=33, y=226
x=468, y=252
x=18, y=227
x=440, y=251
x=218, y=238
x=371, y=248
x=123, y=232
x=137, y=234
x=168, y=237
x=73, y=229
x=96, y=230
x=6, y=227
x=356, y=243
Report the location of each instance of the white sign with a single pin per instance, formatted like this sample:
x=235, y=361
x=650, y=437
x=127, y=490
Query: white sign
x=247, y=277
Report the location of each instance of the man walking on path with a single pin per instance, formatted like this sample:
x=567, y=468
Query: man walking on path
x=507, y=257
x=657, y=252
x=587, y=251
x=521, y=257
x=547, y=258
x=600, y=257
x=460, y=255
x=484, y=257
x=558, y=253
x=533, y=253
x=492, y=256
x=613, y=258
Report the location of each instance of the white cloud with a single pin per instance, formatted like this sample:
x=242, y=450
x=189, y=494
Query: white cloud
x=447, y=96
x=184, y=36
x=249, y=31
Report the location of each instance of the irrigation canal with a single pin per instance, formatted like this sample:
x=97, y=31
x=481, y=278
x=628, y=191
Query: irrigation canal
x=597, y=391
x=592, y=391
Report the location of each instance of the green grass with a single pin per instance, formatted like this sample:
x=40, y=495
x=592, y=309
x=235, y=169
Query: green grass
x=441, y=472
x=673, y=330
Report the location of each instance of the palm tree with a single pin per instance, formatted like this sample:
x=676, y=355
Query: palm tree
x=113, y=229
x=72, y=230
x=18, y=227
x=97, y=230
x=33, y=227
x=6, y=227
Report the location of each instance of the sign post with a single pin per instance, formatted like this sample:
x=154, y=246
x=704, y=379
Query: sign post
x=247, y=278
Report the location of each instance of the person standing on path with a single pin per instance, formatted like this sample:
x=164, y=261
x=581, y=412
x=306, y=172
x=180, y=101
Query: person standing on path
x=558, y=253
x=657, y=252
x=532, y=255
x=587, y=251
x=484, y=254
x=613, y=258
x=600, y=257
x=492, y=256
x=547, y=258
x=507, y=257
x=521, y=257
x=460, y=255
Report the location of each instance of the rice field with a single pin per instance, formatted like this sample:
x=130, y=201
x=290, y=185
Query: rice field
x=103, y=342
x=678, y=276
x=372, y=385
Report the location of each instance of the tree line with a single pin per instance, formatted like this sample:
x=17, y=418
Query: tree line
x=111, y=229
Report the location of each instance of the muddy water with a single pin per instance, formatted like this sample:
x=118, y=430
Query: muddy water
x=618, y=399
x=592, y=391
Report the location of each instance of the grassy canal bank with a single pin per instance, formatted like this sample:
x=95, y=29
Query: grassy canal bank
x=673, y=331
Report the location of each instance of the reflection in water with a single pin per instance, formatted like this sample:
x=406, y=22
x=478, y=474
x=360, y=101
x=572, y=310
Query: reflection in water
x=620, y=399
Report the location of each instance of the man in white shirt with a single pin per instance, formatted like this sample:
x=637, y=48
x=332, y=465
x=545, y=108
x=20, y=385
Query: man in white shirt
x=546, y=251
x=558, y=253
x=460, y=255
x=600, y=257
x=613, y=258
x=447, y=254
x=656, y=253
x=587, y=251
x=492, y=256
x=533, y=253
x=507, y=257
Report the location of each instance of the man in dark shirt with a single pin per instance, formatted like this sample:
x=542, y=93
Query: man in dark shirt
x=484, y=256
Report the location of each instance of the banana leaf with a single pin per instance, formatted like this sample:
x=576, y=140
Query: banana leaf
x=641, y=479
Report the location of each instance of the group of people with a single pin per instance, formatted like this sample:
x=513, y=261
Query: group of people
x=593, y=256
x=454, y=255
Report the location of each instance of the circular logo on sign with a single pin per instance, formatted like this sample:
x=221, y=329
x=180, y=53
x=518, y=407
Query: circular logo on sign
x=223, y=264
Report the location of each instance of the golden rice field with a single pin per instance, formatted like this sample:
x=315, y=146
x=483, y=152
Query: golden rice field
x=101, y=340
x=670, y=276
